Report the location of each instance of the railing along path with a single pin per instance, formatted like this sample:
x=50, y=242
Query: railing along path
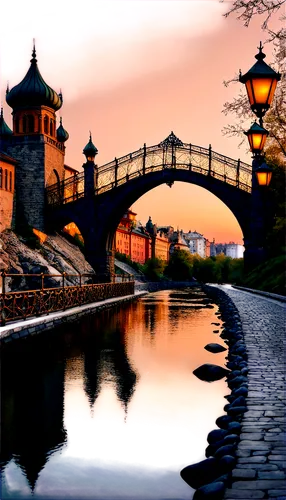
x=22, y=304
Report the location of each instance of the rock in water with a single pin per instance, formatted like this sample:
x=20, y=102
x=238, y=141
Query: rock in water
x=215, y=348
x=202, y=473
x=210, y=373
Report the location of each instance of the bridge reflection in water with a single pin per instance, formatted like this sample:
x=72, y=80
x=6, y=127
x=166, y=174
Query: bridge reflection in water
x=108, y=408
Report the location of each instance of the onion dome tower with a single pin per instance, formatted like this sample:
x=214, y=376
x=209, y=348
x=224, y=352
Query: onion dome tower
x=62, y=134
x=37, y=145
x=5, y=133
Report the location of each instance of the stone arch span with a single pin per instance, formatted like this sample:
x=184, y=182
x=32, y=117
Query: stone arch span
x=111, y=189
x=112, y=206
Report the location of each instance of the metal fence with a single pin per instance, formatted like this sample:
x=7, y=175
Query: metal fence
x=22, y=304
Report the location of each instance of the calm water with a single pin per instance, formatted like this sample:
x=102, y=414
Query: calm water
x=108, y=408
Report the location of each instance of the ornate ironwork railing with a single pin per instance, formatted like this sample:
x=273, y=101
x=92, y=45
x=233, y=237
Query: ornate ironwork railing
x=23, y=304
x=169, y=154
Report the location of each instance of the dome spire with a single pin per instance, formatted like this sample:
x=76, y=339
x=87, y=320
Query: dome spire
x=34, y=60
x=62, y=134
x=33, y=90
x=90, y=151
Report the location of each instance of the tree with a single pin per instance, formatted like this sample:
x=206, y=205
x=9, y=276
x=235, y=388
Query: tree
x=275, y=119
x=247, y=9
x=180, y=266
x=153, y=269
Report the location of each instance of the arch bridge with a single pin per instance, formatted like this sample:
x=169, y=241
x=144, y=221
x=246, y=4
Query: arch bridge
x=97, y=198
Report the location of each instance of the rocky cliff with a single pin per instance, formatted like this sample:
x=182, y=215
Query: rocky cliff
x=54, y=256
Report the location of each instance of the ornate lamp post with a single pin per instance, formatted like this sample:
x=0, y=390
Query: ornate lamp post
x=256, y=137
x=263, y=174
x=260, y=82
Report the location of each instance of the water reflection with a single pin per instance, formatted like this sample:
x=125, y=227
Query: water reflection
x=32, y=410
x=109, y=409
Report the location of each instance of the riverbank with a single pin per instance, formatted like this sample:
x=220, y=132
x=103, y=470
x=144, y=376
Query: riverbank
x=155, y=286
x=34, y=326
x=247, y=452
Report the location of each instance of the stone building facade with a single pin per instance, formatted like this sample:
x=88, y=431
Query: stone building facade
x=7, y=187
x=34, y=143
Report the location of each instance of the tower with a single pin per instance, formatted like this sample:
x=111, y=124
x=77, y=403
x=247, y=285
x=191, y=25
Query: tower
x=36, y=144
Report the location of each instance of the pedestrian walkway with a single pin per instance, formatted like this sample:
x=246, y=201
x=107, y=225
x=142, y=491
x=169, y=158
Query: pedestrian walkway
x=261, y=452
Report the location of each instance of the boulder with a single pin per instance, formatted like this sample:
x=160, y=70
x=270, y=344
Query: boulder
x=227, y=449
x=227, y=462
x=230, y=439
x=203, y=472
x=234, y=427
x=223, y=421
x=241, y=391
x=216, y=435
x=211, y=491
x=239, y=401
x=210, y=373
x=237, y=381
x=214, y=348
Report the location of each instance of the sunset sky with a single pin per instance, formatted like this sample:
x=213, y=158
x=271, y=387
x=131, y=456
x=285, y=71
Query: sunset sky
x=131, y=71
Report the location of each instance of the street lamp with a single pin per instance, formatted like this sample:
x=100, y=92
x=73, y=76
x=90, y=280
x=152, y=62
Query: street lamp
x=263, y=174
x=90, y=151
x=256, y=137
x=260, y=82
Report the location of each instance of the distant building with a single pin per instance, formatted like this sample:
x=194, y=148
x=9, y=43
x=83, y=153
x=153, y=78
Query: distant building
x=196, y=243
x=132, y=240
x=160, y=243
x=232, y=250
x=162, y=246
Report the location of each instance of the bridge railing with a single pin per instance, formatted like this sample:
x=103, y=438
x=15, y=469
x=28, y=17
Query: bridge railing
x=22, y=304
x=155, y=158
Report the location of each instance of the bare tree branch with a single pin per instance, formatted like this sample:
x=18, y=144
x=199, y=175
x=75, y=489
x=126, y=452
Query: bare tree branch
x=275, y=118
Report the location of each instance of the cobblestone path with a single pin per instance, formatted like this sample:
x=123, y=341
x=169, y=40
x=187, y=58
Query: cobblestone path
x=261, y=452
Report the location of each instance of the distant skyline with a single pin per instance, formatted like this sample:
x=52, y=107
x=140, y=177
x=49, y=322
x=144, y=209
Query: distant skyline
x=132, y=71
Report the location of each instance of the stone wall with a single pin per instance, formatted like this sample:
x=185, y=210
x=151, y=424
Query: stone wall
x=6, y=194
x=54, y=160
x=30, y=187
x=6, y=209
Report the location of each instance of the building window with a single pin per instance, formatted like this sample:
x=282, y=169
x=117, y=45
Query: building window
x=46, y=125
x=10, y=181
x=51, y=127
x=6, y=179
x=25, y=124
x=17, y=125
x=31, y=123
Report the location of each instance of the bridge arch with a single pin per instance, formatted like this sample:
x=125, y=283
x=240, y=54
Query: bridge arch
x=104, y=193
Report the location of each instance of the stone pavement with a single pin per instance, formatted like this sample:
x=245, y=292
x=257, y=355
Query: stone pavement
x=261, y=451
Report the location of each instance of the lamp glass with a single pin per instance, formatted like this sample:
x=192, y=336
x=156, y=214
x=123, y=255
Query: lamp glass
x=263, y=178
x=256, y=142
x=261, y=90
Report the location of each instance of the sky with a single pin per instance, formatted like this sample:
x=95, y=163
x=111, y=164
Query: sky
x=131, y=71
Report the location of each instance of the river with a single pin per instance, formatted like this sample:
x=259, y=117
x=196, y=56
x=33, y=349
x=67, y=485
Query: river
x=108, y=408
